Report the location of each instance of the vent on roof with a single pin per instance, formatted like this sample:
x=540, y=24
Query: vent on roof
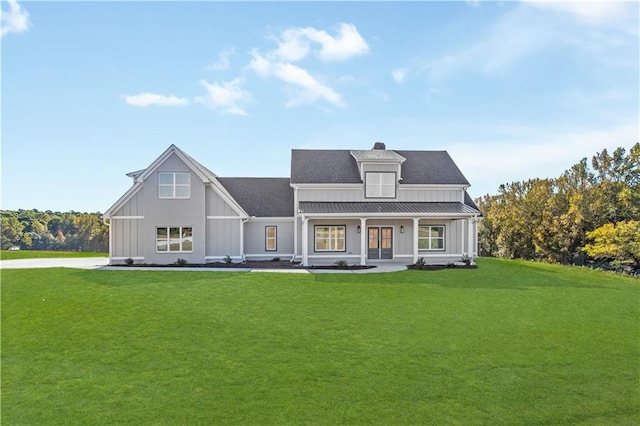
x=379, y=145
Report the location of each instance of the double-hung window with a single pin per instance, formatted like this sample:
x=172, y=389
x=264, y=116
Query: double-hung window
x=174, y=239
x=431, y=237
x=380, y=185
x=271, y=238
x=174, y=185
x=330, y=238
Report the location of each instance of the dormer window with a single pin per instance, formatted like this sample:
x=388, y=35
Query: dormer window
x=380, y=185
x=174, y=185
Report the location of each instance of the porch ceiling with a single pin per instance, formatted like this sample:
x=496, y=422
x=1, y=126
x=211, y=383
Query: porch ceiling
x=445, y=208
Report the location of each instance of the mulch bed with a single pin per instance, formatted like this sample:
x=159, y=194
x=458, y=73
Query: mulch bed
x=440, y=267
x=255, y=264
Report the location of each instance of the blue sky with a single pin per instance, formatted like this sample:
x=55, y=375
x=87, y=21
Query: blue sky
x=512, y=90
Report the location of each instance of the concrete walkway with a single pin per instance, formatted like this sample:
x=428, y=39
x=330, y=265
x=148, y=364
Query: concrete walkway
x=102, y=263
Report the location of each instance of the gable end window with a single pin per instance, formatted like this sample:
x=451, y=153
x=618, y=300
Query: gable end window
x=170, y=239
x=431, y=237
x=380, y=185
x=271, y=238
x=330, y=238
x=174, y=185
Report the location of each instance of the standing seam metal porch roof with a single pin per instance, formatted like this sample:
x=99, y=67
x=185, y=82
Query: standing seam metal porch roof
x=443, y=208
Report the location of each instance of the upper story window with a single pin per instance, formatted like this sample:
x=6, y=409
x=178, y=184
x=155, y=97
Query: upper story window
x=380, y=185
x=174, y=185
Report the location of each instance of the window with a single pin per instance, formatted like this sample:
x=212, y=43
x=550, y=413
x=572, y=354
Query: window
x=271, y=238
x=431, y=237
x=380, y=185
x=330, y=238
x=174, y=239
x=174, y=185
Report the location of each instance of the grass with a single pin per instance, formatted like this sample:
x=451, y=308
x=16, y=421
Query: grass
x=35, y=254
x=509, y=343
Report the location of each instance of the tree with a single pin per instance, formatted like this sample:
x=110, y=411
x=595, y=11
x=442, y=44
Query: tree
x=619, y=242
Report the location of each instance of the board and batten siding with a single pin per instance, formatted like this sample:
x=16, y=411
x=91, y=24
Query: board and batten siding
x=255, y=242
x=223, y=239
x=173, y=213
x=216, y=206
x=127, y=239
x=133, y=207
x=357, y=194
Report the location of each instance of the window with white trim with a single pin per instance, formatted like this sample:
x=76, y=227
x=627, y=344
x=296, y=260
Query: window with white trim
x=330, y=238
x=170, y=239
x=380, y=184
x=271, y=238
x=174, y=185
x=431, y=237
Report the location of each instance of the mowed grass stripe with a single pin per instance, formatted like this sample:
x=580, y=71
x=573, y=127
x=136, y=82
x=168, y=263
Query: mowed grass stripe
x=511, y=342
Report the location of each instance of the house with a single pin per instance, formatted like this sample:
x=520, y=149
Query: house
x=360, y=206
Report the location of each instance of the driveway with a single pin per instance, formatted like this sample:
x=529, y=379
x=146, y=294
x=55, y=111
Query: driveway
x=78, y=262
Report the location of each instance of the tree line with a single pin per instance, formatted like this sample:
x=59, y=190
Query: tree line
x=47, y=230
x=588, y=215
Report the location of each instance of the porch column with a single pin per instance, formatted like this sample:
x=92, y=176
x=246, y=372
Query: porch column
x=305, y=241
x=470, y=238
x=363, y=241
x=242, y=239
x=416, y=221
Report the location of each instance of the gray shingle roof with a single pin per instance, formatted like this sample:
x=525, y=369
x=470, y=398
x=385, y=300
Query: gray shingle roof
x=339, y=166
x=261, y=197
x=387, y=207
x=377, y=155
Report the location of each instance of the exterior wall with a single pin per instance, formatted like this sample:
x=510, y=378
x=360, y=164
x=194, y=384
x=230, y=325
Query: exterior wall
x=254, y=239
x=133, y=207
x=174, y=212
x=216, y=206
x=127, y=239
x=223, y=238
x=357, y=194
x=379, y=167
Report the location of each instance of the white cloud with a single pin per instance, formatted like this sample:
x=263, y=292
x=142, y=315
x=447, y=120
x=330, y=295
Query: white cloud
x=618, y=15
x=399, y=75
x=144, y=99
x=294, y=44
x=223, y=60
x=225, y=96
x=474, y=3
x=307, y=88
x=16, y=20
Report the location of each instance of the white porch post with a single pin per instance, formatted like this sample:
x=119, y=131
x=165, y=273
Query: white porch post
x=470, y=238
x=416, y=221
x=305, y=241
x=363, y=241
x=242, y=239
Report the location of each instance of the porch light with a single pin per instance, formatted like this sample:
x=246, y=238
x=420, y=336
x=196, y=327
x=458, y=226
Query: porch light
x=402, y=229
x=358, y=229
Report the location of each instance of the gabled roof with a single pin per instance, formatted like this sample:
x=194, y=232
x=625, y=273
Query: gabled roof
x=377, y=155
x=339, y=166
x=261, y=197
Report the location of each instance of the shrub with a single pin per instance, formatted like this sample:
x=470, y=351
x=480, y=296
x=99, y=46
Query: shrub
x=129, y=261
x=466, y=259
x=341, y=264
x=227, y=260
x=180, y=262
x=420, y=263
x=275, y=259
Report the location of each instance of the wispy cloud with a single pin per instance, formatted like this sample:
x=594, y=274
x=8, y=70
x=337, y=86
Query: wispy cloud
x=145, y=99
x=294, y=44
x=225, y=96
x=399, y=75
x=308, y=89
x=297, y=43
x=474, y=3
x=224, y=60
x=16, y=20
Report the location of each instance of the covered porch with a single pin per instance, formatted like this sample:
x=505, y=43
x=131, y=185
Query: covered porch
x=377, y=232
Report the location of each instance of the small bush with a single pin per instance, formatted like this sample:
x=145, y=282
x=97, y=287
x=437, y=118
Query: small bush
x=341, y=264
x=275, y=259
x=466, y=259
x=420, y=263
x=451, y=265
x=180, y=262
x=129, y=261
x=227, y=260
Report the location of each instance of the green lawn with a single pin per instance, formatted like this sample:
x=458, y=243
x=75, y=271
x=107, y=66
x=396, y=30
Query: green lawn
x=508, y=343
x=34, y=254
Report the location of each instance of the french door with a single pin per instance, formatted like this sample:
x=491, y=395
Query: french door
x=380, y=242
